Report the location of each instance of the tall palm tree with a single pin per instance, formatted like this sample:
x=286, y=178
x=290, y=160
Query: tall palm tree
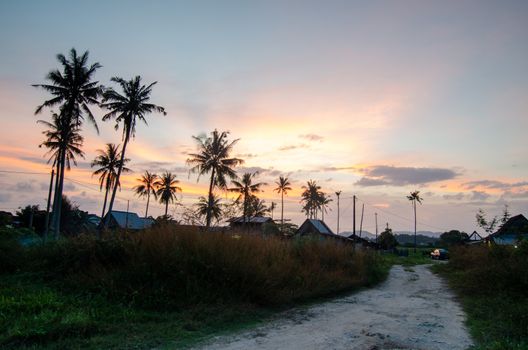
x=61, y=138
x=283, y=186
x=324, y=201
x=203, y=207
x=246, y=189
x=147, y=187
x=127, y=109
x=214, y=155
x=311, y=197
x=338, y=193
x=108, y=161
x=166, y=189
x=73, y=91
x=415, y=197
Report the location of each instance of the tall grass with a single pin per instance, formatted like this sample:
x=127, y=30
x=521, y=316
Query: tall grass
x=169, y=267
x=493, y=284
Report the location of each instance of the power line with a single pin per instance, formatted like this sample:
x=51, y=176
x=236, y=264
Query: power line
x=23, y=172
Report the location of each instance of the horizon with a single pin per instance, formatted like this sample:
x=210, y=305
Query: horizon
x=373, y=99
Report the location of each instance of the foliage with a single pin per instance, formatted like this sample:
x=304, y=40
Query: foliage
x=489, y=225
x=492, y=282
x=386, y=239
x=146, y=187
x=23, y=215
x=453, y=237
x=166, y=189
x=246, y=189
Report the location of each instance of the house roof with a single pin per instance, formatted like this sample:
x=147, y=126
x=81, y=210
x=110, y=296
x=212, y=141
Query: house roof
x=130, y=220
x=251, y=220
x=315, y=226
x=474, y=237
x=515, y=225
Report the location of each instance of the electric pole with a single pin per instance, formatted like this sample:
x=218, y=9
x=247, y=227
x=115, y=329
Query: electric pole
x=354, y=217
x=338, y=193
x=376, y=216
x=361, y=222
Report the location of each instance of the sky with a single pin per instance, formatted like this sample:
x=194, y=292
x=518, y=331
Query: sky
x=373, y=98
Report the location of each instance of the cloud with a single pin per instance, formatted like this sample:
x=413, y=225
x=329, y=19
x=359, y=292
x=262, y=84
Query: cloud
x=5, y=197
x=262, y=171
x=24, y=186
x=479, y=196
x=493, y=184
x=159, y=167
x=312, y=137
x=457, y=197
x=292, y=147
x=399, y=176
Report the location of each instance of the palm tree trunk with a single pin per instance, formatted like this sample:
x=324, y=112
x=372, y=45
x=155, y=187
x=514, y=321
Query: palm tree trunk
x=166, y=207
x=55, y=194
x=148, y=200
x=210, y=201
x=116, y=185
x=108, y=185
x=59, y=195
x=414, y=207
x=282, y=211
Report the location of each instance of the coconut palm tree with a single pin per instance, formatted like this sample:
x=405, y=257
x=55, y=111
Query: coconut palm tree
x=61, y=138
x=246, y=189
x=324, y=201
x=203, y=207
x=108, y=161
x=283, y=186
x=73, y=91
x=272, y=207
x=146, y=187
x=415, y=197
x=127, y=109
x=311, y=197
x=214, y=156
x=166, y=189
x=257, y=207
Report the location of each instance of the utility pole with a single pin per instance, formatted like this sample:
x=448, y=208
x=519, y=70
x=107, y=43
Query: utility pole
x=338, y=193
x=376, y=216
x=361, y=222
x=354, y=217
x=46, y=229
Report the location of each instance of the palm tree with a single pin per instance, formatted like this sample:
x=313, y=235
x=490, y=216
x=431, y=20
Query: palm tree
x=246, y=189
x=127, y=108
x=108, y=162
x=415, y=197
x=283, y=186
x=61, y=138
x=166, y=189
x=147, y=187
x=73, y=91
x=257, y=207
x=272, y=207
x=311, y=198
x=203, y=207
x=214, y=155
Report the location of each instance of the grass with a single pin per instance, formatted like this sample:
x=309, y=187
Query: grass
x=164, y=288
x=492, y=283
x=420, y=257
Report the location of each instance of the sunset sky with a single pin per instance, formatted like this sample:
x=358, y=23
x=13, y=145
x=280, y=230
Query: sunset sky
x=374, y=98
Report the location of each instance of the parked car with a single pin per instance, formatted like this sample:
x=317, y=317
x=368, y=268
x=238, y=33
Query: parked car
x=440, y=254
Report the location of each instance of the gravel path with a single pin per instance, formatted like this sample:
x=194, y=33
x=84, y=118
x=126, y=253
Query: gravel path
x=413, y=309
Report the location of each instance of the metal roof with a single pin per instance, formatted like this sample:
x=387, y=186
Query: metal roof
x=131, y=220
x=251, y=220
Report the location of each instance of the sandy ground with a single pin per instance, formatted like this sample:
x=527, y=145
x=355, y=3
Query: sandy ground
x=413, y=309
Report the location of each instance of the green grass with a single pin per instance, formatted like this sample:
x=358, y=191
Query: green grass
x=491, y=283
x=414, y=258
x=165, y=289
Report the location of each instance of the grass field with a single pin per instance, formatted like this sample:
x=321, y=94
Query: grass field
x=164, y=288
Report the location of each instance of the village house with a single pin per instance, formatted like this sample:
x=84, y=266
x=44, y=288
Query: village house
x=513, y=230
x=127, y=220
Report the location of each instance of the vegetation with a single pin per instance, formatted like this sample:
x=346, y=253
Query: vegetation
x=127, y=108
x=166, y=189
x=147, y=187
x=414, y=197
x=283, y=187
x=453, y=237
x=386, y=239
x=246, y=189
x=167, y=284
x=492, y=283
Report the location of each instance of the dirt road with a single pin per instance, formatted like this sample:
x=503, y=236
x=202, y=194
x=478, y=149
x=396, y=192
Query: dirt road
x=411, y=310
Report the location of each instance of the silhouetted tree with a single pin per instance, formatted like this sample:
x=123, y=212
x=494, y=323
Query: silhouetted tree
x=147, y=187
x=386, y=239
x=166, y=189
x=283, y=186
x=127, y=109
x=246, y=189
x=108, y=161
x=73, y=91
x=414, y=197
x=214, y=156
x=453, y=237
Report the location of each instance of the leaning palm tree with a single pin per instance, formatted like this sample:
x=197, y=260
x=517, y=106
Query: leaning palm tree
x=246, y=189
x=283, y=186
x=73, y=91
x=107, y=163
x=146, y=187
x=166, y=189
x=127, y=108
x=62, y=137
x=214, y=155
x=203, y=207
x=415, y=197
